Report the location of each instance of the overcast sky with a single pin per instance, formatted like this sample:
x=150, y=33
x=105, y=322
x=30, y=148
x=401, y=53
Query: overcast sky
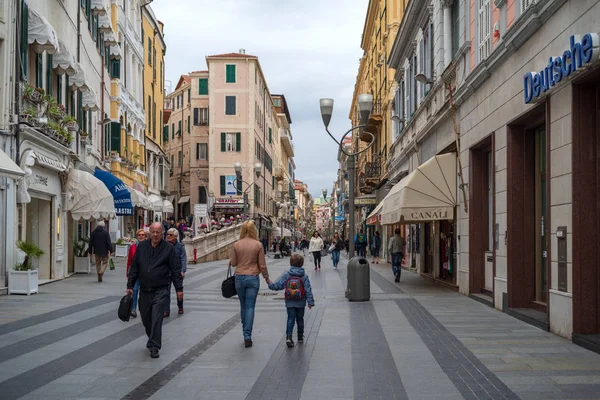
x=308, y=49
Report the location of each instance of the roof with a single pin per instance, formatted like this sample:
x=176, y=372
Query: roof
x=232, y=55
x=183, y=79
x=199, y=72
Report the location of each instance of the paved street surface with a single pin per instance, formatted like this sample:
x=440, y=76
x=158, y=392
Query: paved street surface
x=413, y=340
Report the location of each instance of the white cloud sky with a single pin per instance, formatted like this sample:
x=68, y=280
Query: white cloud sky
x=308, y=49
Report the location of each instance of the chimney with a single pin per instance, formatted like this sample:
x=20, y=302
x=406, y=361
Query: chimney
x=242, y=51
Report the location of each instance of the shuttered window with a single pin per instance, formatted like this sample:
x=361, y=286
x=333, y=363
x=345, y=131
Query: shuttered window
x=166, y=133
x=24, y=46
x=484, y=21
x=230, y=73
x=230, y=105
x=231, y=142
x=222, y=185
x=115, y=136
x=203, y=86
x=201, y=151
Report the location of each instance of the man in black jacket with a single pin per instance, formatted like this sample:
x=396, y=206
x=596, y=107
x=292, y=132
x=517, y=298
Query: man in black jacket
x=100, y=247
x=156, y=265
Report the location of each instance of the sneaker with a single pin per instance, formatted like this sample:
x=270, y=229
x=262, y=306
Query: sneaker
x=289, y=342
x=319, y=266
x=133, y=314
x=300, y=339
x=315, y=268
x=154, y=353
x=248, y=343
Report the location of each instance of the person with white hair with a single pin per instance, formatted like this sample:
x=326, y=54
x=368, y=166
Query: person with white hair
x=172, y=235
x=101, y=248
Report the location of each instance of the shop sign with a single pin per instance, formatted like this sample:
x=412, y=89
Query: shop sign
x=230, y=201
x=580, y=53
x=368, y=201
x=430, y=215
x=373, y=220
x=50, y=163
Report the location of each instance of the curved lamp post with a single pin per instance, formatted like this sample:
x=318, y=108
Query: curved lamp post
x=365, y=105
x=238, y=178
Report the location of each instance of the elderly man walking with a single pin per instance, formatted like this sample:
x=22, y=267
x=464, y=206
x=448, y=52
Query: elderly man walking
x=172, y=235
x=156, y=266
x=100, y=247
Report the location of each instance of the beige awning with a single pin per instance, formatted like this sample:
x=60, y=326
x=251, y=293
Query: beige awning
x=110, y=39
x=104, y=23
x=8, y=167
x=89, y=101
x=88, y=197
x=78, y=81
x=426, y=194
x=63, y=61
x=168, y=206
x=98, y=7
x=277, y=232
x=373, y=218
x=156, y=202
x=184, y=199
x=40, y=34
x=139, y=199
x=115, y=52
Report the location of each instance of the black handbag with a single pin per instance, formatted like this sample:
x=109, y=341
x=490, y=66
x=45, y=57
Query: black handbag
x=124, y=311
x=228, y=285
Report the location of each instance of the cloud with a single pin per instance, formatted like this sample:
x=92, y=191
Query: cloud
x=307, y=49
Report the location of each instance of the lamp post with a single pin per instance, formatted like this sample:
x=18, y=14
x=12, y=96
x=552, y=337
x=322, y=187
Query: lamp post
x=365, y=105
x=238, y=178
x=324, y=192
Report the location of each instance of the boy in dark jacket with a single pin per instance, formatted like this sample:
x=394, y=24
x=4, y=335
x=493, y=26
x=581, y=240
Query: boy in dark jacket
x=298, y=291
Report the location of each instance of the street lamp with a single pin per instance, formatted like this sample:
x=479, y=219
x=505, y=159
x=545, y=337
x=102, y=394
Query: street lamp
x=238, y=178
x=365, y=105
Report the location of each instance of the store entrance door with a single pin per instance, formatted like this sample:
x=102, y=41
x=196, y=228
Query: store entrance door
x=39, y=223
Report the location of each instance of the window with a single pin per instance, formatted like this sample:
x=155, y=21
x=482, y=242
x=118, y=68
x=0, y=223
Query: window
x=24, y=45
x=230, y=105
x=189, y=95
x=179, y=158
x=455, y=15
x=202, y=197
x=115, y=69
x=203, y=86
x=161, y=76
x=201, y=151
x=95, y=28
x=189, y=128
x=166, y=133
x=179, y=128
x=154, y=120
x=230, y=142
x=270, y=136
x=149, y=51
x=172, y=163
x=526, y=4
x=256, y=196
x=201, y=116
x=59, y=89
x=39, y=71
x=154, y=64
x=230, y=73
x=173, y=130
x=277, y=102
x=484, y=21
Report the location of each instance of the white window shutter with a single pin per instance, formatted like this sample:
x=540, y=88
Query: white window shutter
x=484, y=21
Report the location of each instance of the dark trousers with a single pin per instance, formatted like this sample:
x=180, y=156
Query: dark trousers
x=317, y=258
x=152, y=307
x=295, y=314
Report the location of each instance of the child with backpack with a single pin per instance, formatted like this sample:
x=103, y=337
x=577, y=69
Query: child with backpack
x=298, y=292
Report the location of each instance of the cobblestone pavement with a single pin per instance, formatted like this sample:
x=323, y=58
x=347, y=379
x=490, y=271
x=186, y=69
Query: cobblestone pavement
x=413, y=340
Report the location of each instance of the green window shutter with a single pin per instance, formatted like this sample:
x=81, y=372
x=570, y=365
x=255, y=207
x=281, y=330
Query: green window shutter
x=115, y=68
x=273, y=182
x=230, y=72
x=203, y=86
x=24, y=38
x=222, y=185
x=173, y=130
x=223, y=141
x=270, y=136
x=179, y=128
x=166, y=133
x=49, y=74
x=115, y=136
x=39, y=72
x=59, y=86
x=238, y=142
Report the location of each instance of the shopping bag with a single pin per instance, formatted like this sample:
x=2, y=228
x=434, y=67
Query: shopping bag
x=331, y=248
x=228, y=285
x=310, y=257
x=124, y=311
x=111, y=264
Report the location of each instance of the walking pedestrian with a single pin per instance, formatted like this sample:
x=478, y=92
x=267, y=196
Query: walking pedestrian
x=375, y=247
x=297, y=293
x=140, y=236
x=172, y=235
x=335, y=254
x=101, y=248
x=156, y=265
x=315, y=246
x=396, y=247
x=360, y=242
x=248, y=258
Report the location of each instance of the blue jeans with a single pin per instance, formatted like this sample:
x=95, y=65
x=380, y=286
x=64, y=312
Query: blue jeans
x=136, y=291
x=396, y=262
x=295, y=314
x=247, y=291
x=335, y=256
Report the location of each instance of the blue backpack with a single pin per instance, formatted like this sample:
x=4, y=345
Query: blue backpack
x=294, y=288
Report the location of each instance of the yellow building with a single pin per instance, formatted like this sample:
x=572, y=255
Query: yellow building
x=374, y=77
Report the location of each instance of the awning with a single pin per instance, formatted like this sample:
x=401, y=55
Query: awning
x=426, y=194
x=139, y=199
x=373, y=218
x=110, y=39
x=63, y=61
x=104, y=23
x=115, y=52
x=168, y=206
x=183, y=200
x=98, y=7
x=8, y=167
x=156, y=202
x=78, y=81
x=89, y=100
x=277, y=232
x=120, y=194
x=40, y=34
x=88, y=197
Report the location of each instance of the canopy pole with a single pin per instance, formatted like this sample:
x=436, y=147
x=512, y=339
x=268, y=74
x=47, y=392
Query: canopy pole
x=457, y=139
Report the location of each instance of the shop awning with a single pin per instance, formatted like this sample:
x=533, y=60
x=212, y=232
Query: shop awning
x=40, y=34
x=156, y=202
x=89, y=100
x=88, y=197
x=8, y=167
x=139, y=199
x=426, y=194
x=277, y=232
x=64, y=61
x=183, y=200
x=78, y=81
x=120, y=194
x=373, y=218
x=168, y=206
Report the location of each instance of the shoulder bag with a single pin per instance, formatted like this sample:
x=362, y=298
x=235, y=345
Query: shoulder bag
x=228, y=285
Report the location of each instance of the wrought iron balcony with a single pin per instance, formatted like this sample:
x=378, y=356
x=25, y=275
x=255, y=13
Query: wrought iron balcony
x=370, y=174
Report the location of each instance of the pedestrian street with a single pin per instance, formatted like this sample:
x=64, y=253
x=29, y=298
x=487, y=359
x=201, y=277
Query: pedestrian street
x=412, y=340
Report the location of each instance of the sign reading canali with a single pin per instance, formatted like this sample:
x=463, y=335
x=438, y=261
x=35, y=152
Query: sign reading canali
x=581, y=52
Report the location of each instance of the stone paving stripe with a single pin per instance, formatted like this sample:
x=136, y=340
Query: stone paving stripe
x=469, y=375
x=162, y=377
x=284, y=375
x=35, y=378
x=49, y=316
x=385, y=285
x=48, y=338
x=374, y=371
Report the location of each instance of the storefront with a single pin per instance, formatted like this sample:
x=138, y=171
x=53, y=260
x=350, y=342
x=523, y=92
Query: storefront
x=226, y=207
x=123, y=206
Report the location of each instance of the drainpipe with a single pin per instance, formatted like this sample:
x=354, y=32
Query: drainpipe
x=17, y=77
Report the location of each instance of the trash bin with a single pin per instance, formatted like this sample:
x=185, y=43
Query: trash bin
x=359, y=280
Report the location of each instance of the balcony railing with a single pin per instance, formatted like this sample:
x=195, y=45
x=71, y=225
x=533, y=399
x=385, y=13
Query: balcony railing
x=370, y=174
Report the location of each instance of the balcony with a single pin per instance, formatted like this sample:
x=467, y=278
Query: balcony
x=129, y=100
x=133, y=38
x=370, y=175
x=286, y=141
x=278, y=173
x=375, y=121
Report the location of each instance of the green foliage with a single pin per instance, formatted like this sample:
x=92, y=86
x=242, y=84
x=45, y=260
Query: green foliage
x=32, y=251
x=122, y=242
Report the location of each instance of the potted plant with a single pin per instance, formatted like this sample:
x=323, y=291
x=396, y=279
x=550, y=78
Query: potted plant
x=23, y=279
x=55, y=110
x=114, y=155
x=70, y=123
x=52, y=129
x=121, y=248
x=81, y=252
x=33, y=95
x=29, y=114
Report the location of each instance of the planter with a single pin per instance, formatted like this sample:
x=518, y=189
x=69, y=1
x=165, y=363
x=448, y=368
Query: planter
x=82, y=265
x=72, y=126
x=22, y=282
x=121, y=250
